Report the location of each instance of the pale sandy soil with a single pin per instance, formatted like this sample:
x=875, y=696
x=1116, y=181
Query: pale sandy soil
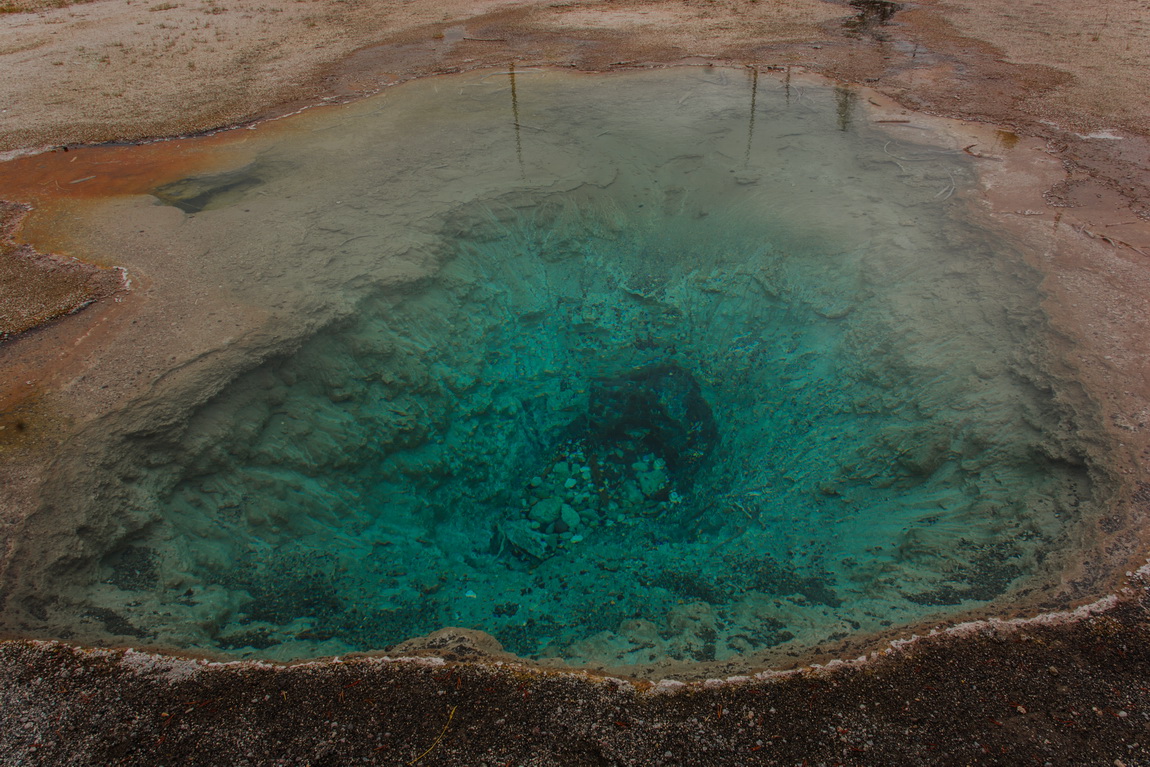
x=1072, y=79
x=1100, y=49
x=124, y=69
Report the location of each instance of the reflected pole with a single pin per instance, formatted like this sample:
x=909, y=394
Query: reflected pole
x=515, y=120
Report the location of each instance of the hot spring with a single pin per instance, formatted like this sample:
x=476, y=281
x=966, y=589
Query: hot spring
x=693, y=365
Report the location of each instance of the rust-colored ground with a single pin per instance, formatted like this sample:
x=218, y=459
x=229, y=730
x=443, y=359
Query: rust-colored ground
x=39, y=288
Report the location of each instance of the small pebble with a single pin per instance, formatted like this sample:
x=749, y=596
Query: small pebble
x=570, y=483
x=576, y=538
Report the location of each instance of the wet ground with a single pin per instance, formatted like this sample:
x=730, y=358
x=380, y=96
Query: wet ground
x=38, y=288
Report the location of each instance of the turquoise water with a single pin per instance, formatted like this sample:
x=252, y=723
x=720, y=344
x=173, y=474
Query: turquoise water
x=695, y=365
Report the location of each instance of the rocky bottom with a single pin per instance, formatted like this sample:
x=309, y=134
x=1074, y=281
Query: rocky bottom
x=600, y=458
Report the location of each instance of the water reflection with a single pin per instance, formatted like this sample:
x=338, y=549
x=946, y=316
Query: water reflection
x=751, y=118
x=844, y=106
x=515, y=120
x=872, y=16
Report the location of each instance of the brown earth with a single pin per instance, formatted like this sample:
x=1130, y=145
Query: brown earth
x=1064, y=695
x=1069, y=78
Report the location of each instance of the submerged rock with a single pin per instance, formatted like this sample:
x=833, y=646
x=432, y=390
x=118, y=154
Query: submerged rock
x=658, y=410
x=569, y=517
x=525, y=541
x=652, y=482
x=547, y=510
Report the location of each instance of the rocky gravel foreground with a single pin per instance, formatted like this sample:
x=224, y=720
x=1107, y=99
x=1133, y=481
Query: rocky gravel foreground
x=1044, y=692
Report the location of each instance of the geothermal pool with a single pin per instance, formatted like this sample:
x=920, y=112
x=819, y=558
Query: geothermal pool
x=692, y=364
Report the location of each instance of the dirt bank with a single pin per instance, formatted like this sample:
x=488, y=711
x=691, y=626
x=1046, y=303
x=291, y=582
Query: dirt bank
x=1069, y=694
x=116, y=70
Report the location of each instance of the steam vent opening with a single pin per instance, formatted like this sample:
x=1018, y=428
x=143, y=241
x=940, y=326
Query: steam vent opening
x=684, y=365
